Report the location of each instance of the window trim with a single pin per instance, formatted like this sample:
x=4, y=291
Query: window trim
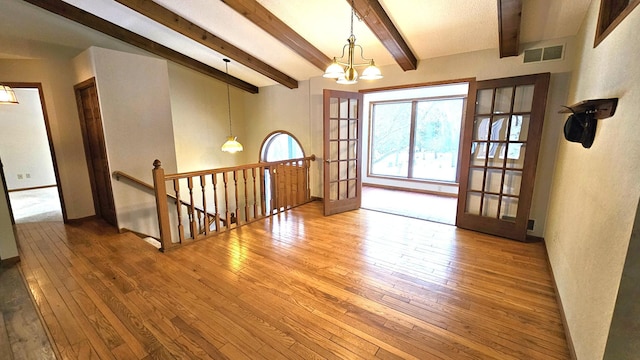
x=414, y=102
x=607, y=21
x=269, y=139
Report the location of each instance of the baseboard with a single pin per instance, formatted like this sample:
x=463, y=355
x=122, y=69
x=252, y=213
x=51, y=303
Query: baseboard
x=139, y=234
x=532, y=239
x=79, y=221
x=565, y=325
x=32, y=188
x=7, y=263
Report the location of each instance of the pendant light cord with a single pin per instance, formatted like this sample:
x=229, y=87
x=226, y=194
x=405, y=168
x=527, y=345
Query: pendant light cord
x=226, y=65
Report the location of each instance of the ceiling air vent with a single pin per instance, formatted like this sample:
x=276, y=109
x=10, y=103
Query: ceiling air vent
x=543, y=54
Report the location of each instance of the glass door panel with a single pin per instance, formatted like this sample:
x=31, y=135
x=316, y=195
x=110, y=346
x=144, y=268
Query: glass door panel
x=500, y=153
x=342, y=148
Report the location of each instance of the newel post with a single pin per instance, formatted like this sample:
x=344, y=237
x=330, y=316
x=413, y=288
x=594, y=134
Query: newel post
x=162, y=208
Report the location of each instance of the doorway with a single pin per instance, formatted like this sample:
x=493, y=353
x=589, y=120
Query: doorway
x=95, y=150
x=412, y=150
x=28, y=162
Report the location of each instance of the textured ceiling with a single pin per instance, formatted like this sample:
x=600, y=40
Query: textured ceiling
x=431, y=28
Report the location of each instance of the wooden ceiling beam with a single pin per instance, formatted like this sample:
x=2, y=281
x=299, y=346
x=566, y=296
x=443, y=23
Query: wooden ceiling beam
x=183, y=26
x=263, y=18
x=82, y=17
x=509, y=19
x=373, y=14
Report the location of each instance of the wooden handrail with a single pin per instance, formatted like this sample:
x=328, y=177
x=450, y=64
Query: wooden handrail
x=225, y=198
x=236, y=168
x=119, y=174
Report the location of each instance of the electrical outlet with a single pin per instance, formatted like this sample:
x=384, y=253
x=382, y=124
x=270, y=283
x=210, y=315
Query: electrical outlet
x=27, y=175
x=19, y=176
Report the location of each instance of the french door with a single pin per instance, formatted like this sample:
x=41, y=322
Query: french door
x=502, y=133
x=342, y=128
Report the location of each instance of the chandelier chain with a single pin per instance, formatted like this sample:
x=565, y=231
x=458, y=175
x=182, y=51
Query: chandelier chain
x=353, y=13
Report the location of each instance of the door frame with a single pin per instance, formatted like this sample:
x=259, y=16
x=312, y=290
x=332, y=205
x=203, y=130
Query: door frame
x=52, y=152
x=91, y=82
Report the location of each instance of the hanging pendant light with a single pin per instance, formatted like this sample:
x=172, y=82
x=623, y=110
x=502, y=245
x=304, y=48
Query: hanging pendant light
x=7, y=95
x=231, y=145
x=345, y=72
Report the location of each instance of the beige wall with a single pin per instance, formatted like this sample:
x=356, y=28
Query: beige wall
x=55, y=75
x=201, y=120
x=8, y=247
x=595, y=191
x=136, y=116
x=299, y=111
x=57, y=78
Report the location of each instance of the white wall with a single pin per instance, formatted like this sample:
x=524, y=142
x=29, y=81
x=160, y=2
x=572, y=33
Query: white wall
x=595, y=191
x=134, y=102
x=24, y=147
x=299, y=111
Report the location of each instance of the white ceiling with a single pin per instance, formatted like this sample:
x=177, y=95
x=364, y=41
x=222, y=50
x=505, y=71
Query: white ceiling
x=431, y=28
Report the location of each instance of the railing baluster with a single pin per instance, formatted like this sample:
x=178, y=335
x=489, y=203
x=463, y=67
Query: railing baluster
x=227, y=217
x=214, y=178
x=193, y=226
x=206, y=222
x=255, y=198
x=274, y=191
x=246, y=196
x=307, y=171
x=263, y=194
x=176, y=189
x=235, y=189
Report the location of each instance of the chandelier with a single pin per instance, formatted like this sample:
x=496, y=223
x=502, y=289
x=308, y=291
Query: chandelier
x=231, y=145
x=345, y=72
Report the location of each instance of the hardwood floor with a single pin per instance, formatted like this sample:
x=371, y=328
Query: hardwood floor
x=22, y=335
x=359, y=285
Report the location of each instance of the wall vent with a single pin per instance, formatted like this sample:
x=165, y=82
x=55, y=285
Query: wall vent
x=544, y=54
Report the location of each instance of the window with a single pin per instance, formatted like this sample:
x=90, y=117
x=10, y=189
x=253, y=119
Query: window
x=280, y=145
x=612, y=12
x=416, y=139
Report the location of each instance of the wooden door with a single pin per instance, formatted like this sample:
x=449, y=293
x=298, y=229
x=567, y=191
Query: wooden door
x=342, y=128
x=95, y=150
x=501, y=139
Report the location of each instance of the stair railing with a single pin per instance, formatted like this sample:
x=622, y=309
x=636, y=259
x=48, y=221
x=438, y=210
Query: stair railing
x=217, y=200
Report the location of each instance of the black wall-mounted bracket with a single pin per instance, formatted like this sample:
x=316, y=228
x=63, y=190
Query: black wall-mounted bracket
x=581, y=125
x=601, y=108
